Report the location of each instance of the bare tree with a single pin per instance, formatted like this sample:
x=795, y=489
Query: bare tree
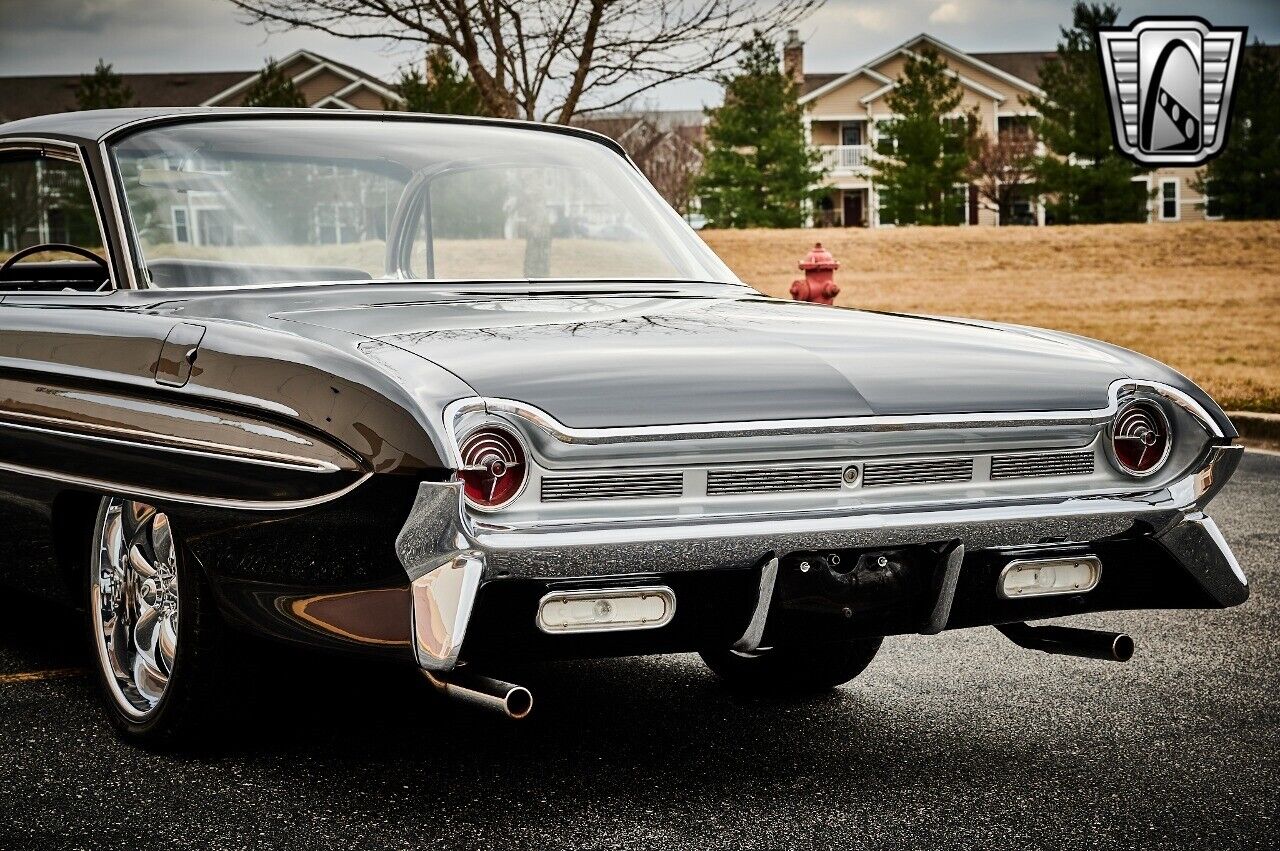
x=546, y=59
x=667, y=147
x=1002, y=169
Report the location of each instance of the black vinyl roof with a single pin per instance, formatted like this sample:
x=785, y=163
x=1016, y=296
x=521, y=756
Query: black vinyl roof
x=95, y=125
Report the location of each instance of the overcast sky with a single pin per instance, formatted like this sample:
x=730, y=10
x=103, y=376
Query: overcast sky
x=67, y=36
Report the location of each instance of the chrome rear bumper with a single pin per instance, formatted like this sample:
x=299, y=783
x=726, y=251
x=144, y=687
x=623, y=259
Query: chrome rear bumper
x=447, y=553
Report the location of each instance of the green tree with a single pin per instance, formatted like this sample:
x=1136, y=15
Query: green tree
x=273, y=88
x=759, y=172
x=446, y=89
x=103, y=89
x=1085, y=179
x=923, y=153
x=1244, y=182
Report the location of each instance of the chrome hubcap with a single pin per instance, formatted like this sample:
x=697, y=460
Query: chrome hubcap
x=135, y=606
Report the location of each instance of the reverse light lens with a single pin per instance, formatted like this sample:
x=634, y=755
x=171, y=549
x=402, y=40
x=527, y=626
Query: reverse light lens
x=606, y=609
x=1140, y=438
x=1046, y=576
x=494, y=467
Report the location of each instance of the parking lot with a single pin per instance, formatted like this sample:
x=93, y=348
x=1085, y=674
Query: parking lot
x=955, y=741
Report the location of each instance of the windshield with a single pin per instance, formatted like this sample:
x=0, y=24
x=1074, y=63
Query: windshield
x=257, y=201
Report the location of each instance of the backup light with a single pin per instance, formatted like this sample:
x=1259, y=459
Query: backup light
x=606, y=609
x=1045, y=576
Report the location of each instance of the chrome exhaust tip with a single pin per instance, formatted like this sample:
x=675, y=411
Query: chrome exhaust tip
x=509, y=699
x=1070, y=641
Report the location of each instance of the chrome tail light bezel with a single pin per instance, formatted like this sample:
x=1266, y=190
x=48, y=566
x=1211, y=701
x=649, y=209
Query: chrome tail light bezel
x=514, y=436
x=1124, y=415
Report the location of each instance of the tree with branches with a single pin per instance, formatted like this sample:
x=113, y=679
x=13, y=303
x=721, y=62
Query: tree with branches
x=549, y=60
x=759, y=172
x=444, y=90
x=1002, y=169
x=1086, y=179
x=103, y=89
x=273, y=88
x=1244, y=182
x=924, y=151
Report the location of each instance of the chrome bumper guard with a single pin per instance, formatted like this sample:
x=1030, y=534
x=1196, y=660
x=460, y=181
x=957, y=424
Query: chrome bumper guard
x=447, y=553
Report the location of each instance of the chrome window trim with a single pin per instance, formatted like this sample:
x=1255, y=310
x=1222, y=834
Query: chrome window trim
x=127, y=247
x=72, y=153
x=539, y=418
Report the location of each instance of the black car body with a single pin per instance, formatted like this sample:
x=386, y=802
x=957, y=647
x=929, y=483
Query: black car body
x=457, y=471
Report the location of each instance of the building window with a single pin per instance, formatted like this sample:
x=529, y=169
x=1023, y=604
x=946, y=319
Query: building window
x=1169, y=201
x=1212, y=205
x=851, y=133
x=181, y=233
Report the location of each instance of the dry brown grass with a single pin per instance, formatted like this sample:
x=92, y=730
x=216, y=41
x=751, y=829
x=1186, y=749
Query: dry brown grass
x=1202, y=297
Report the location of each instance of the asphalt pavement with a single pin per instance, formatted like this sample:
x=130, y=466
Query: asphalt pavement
x=955, y=741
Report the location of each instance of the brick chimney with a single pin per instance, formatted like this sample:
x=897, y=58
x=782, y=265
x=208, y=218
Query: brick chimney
x=793, y=57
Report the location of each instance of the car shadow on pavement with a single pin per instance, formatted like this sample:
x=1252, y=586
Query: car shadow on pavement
x=635, y=728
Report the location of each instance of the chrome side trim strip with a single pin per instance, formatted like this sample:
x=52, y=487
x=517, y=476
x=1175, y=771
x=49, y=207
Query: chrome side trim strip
x=199, y=448
x=122, y=489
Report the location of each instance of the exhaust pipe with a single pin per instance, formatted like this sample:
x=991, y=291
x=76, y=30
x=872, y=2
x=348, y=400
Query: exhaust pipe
x=509, y=699
x=1070, y=641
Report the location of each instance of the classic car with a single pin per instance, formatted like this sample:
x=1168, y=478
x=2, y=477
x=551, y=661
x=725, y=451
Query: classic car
x=463, y=392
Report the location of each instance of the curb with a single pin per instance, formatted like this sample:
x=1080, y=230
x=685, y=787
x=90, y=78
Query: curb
x=1254, y=426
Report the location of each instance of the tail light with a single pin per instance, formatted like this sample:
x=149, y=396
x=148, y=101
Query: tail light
x=494, y=467
x=1140, y=438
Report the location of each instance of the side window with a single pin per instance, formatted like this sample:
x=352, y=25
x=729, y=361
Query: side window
x=46, y=201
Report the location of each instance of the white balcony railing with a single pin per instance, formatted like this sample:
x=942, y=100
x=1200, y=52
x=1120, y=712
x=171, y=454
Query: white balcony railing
x=846, y=157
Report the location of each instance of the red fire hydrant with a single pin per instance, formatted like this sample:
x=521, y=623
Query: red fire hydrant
x=819, y=284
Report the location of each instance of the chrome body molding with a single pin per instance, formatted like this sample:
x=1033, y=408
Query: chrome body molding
x=580, y=475
x=106, y=486
x=695, y=431
x=76, y=430
x=447, y=551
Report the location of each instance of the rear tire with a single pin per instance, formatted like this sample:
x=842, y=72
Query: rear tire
x=792, y=670
x=156, y=636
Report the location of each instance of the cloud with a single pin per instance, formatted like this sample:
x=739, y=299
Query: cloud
x=950, y=12
x=870, y=18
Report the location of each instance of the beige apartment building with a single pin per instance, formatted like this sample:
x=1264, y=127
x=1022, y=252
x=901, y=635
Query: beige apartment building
x=842, y=110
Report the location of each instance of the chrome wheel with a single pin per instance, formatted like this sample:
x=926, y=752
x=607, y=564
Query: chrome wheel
x=134, y=603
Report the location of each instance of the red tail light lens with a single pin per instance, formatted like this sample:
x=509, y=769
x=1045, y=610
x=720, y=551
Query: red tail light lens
x=494, y=467
x=1140, y=438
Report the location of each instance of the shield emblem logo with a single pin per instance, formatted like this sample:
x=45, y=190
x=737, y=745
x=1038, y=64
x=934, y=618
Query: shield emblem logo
x=1169, y=85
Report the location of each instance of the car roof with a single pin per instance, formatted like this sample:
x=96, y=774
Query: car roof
x=96, y=125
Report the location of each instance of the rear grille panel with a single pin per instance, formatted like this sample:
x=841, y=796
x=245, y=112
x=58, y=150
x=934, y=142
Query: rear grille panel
x=626, y=486
x=879, y=474
x=1042, y=464
x=773, y=480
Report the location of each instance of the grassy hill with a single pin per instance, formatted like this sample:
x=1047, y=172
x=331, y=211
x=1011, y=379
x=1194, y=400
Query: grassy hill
x=1202, y=297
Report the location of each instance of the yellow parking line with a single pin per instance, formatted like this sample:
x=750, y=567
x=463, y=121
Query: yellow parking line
x=36, y=676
